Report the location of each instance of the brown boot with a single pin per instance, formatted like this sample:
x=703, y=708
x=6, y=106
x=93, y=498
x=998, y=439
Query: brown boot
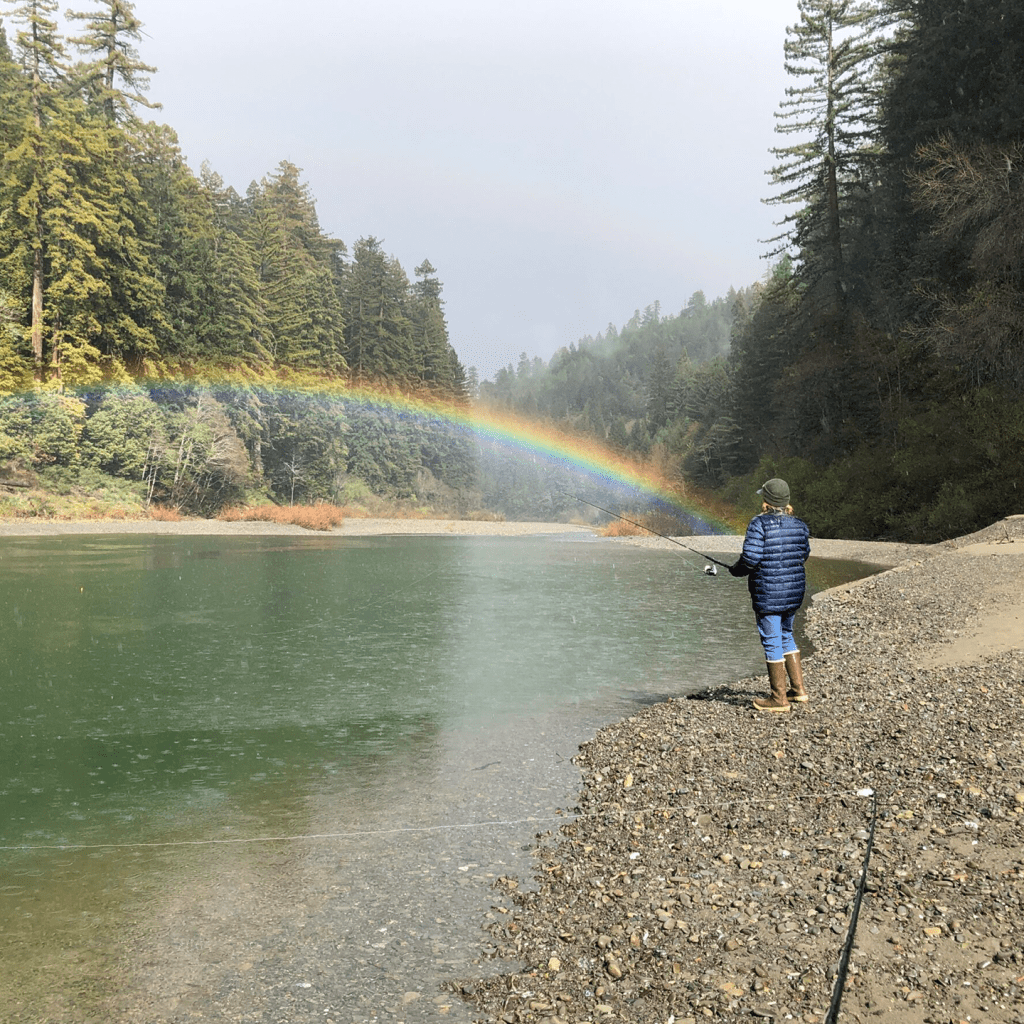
x=777, y=681
x=796, y=691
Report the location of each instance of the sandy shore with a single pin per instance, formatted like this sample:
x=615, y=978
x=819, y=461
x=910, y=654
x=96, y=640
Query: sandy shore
x=349, y=528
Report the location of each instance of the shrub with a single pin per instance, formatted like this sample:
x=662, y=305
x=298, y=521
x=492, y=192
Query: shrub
x=620, y=528
x=321, y=516
x=165, y=514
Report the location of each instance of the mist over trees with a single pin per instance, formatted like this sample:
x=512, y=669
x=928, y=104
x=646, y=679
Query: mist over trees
x=879, y=364
x=120, y=266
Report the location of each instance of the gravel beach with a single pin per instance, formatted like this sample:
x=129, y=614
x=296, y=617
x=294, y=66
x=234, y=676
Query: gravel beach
x=714, y=861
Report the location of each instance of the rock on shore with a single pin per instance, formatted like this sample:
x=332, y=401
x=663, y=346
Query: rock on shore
x=712, y=866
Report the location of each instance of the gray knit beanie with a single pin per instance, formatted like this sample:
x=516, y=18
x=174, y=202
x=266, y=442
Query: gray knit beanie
x=775, y=493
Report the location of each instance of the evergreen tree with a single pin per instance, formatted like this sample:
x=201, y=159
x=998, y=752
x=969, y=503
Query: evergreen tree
x=956, y=73
x=379, y=342
x=976, y=198
x=659, y=390
x=303, y=446
x=833, y=50
x=105, y=301
x=76, y=225
x=43, y=56
x=462, y=387
x=13, y=97
x=434, y=368
x=15, y=366
x=234, y=327
x=116, y=78
x=124, y=434
x=300, y=302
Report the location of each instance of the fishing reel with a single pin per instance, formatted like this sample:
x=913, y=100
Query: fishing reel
x=710, y=570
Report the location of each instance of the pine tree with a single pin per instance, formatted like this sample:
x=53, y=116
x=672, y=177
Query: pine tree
x=432, y=364
x=297, y=271
x=956, y=73
x=43, y=56
x=833, y=49
x=76, y=224
x=13, y=97
x=379, y=332
x=116, y=77
x=15, y=366
x=105, y=301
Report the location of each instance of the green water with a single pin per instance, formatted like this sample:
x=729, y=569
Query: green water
x=162, y=690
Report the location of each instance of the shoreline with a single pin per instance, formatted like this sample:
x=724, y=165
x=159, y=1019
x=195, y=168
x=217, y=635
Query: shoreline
x=714, y=861
x=885, y=553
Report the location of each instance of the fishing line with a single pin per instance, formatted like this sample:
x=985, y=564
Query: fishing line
x=708, y=570
x=282, y=839
x=364, y=833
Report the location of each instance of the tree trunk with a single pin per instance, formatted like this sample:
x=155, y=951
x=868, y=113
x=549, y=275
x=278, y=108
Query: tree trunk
x=832, y=185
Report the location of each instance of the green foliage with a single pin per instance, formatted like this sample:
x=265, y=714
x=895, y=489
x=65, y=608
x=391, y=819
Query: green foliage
x=303, y=445
x=15, y=431
x=124, y=434
x=15, y=365
x=379, y=333
x=350, y=490
x=203, y=465
x=381, y=452
x=109, y=38
x=118, y=264
x=302, y=314
x=960, y=464
x=45, y=426
x=833, y=52
x=953, y=469
x=903, y=397
x=630, y=376
x=65, y=481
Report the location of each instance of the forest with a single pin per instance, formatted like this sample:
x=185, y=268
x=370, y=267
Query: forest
x=879, y=364
x=199, y=347
x=161, y=331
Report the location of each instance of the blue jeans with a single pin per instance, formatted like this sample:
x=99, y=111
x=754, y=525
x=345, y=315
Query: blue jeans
x=776, y=632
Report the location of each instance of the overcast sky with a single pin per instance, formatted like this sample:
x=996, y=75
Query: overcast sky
x=560, y=162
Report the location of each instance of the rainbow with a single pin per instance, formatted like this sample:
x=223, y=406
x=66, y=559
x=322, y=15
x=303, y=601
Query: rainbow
x=584, y=460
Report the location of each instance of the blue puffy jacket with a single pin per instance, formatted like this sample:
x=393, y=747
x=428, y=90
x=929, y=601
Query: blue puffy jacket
x=774, y=551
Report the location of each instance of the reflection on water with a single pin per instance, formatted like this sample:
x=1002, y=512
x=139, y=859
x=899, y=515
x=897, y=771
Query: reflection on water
x=217, y=691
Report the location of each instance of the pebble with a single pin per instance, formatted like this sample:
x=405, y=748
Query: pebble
x=752, y=861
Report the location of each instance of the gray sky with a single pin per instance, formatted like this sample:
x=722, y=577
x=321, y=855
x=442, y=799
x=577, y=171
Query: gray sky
x=560, y=162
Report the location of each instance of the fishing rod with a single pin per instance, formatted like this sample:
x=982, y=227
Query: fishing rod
x=709, y=570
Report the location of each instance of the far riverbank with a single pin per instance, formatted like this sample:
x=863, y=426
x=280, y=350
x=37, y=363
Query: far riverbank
x=883, y=553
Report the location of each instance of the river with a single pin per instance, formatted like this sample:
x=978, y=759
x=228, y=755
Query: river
x=273, y=779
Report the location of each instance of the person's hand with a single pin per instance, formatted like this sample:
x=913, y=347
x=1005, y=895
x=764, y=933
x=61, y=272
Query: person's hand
x=738, y=569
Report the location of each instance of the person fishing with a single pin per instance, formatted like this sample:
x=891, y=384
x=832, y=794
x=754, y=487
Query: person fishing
x=775, y=548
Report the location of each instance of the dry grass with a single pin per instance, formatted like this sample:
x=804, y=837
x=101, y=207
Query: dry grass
x=620, y=528
x=482, y=515
x=165, y=514
x=310, y=517
x=381, y=508
x=645, y=525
